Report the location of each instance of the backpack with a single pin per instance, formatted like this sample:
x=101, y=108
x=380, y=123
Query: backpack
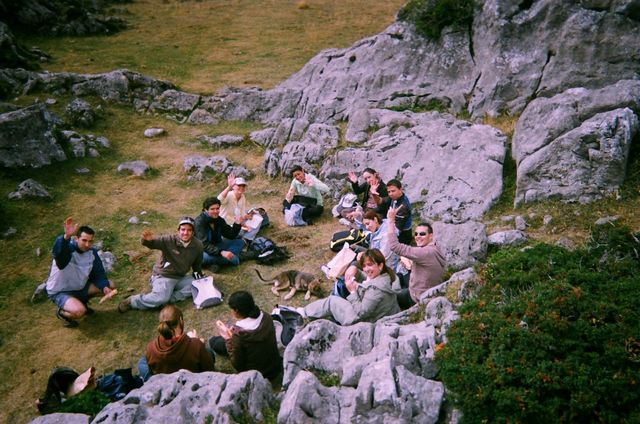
x=267, y=252
x=291, y=321
x=293, y=215
x=57, y=385
x=118, y=384
x=354, y=237
x=205, y=293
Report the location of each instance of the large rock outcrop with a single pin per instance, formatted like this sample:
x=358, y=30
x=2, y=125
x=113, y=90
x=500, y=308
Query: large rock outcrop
x=575, y=145
x=26, y=138
x=193, y=398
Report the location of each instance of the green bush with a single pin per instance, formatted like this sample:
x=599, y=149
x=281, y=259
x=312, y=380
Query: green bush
x=431, y=16
x=553, y=336
x=89, y=402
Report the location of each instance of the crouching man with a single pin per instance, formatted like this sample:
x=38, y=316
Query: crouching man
x=77, y=274
x=171, y=278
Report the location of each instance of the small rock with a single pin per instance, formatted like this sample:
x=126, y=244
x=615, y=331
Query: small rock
x=93, y=153
x=134, y=220
x=29, y=188
x=507, y=238
x=8, y=233
x=51, y=101
x=136, y=167
x=546, y=220
x=108, y=260
x=82, y=170
x=154, y=132
x=521, y=224
x=143, y=212
x=565, y=243
x=38, y=251
x=607, y=220
x=506, y=218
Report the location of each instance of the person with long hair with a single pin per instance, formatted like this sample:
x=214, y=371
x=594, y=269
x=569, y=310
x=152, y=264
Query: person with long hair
x=251, y=342
x=373, y=299
x=373, y=189
x=173, y=349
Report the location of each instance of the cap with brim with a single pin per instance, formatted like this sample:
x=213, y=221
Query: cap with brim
x=187, y=220
x=240, y=181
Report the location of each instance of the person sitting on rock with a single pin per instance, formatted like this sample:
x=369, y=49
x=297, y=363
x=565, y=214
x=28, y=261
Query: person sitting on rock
x=367, y=302
x=403, y=218
x=170, y=280
x=373, y=191
x=174, y=349
x=77, y=274
x=233, y=205
x=251, y=342
x=428, y=262
x=221, y=248
x=306, y=190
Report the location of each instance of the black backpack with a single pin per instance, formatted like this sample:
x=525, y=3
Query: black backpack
x=353, y=237
x=267, y=252
x=57, y=385
x=291, y=321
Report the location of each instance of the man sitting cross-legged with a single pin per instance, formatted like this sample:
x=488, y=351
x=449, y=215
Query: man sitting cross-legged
x=77, y=273
x=210, y=230
x=170, y=281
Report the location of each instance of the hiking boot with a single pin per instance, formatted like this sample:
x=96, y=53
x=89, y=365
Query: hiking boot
x=40, y=293
x=66, y=321
x=125, y=305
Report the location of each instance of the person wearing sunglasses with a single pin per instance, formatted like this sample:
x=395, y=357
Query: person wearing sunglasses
x=428, y=261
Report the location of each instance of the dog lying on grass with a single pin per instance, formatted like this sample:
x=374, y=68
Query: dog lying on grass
x=294, y=281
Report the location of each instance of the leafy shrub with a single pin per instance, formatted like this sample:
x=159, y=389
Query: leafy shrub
x=431, y=16
x=89, y=402
x=553, y=336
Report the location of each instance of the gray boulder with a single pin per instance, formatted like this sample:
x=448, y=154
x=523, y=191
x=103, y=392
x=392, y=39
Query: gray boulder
x=108, y=260
x=61, y=418
x=222, y=141
x=198, y=166
x=29, y=188
x=451, y=168
x=154, y=132
x=175, y=104
x=15, y=55
x=193, y=397
x=575, y=145
x=508, y=238
x=607, y=220
x=136, y=167
x=462, y=244
x=26, y=138
x=80, y=113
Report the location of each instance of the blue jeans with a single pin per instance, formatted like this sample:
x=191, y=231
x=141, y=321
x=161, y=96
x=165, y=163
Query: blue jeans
x=143, y=369
x=234, y=246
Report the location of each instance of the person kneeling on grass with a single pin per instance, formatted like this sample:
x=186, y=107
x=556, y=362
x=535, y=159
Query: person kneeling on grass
x=373, y=299
x=77, y=274
x=251, y=342
x=174, y=349
x=170, y=281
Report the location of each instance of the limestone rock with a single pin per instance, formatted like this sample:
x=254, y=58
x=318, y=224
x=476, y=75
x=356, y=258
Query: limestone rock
x=136, y=167
x=154, y=132
x=8, y=233
x=30, y=188
x=175, y=104
x=222, y=141
x=462, y=244
x=108, y=260
x=26, y=138
x=520, y=222
x=80, y=113
x=200, y=165
x=607, y=220
x=13, y=54
x=61, y=418
x=193, y=397
x=575, y=145
x=508, y=238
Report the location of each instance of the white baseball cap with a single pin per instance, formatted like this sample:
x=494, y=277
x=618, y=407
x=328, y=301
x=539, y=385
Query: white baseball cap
x=240, y=181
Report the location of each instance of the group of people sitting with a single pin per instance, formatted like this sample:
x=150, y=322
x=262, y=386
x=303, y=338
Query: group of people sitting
x=389, y=274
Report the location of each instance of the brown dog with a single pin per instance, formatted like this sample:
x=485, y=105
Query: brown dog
x=294, y=280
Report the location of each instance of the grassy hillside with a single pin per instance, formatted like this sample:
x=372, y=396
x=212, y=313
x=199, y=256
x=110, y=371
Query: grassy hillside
x=201, y=46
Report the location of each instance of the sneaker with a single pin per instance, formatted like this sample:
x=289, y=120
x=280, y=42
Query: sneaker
x=90, y=311
x=125, y=305
x=67, y=322
x=40, y=293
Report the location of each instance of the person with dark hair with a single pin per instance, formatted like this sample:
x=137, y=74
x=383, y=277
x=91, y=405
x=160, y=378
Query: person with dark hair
x=373, y=189
x=174, y=349
x=306, y=190
x=170, y=280
x=218, y=238
x=428, y=261
x=367, y=302
x=76, y=275
x=396, y=199
x=251, y=342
